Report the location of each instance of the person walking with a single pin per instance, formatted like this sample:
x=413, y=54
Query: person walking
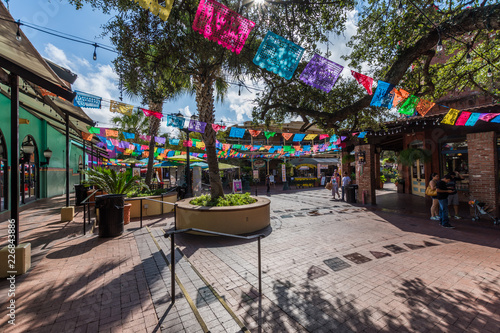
x=453, y=197
x=335, y=186
x=442, y=195
x=435, y=201
x=346, y=180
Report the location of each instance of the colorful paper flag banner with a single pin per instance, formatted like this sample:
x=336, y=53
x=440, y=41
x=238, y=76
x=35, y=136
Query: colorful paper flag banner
x=128, y=135
x=197, y=126
x=269, y=134
x=94, y=130
x=383, y=95
x=323, y=136
x=462, y=118
x=278, y=55
x=474, y=117
x=254, y=133
x=321, y=73
x=483, y=117
x=222, y=25
x=362, y=135
x=298, y=137
x=119, y=107
x=87, y=136
x=111, y=133
x=157, y=9
x=160, y=140
x=85, y=100
x=175, y=121
x=408, y=107
x=496, y=120
x=217, y=127
x=237, y=132
x=424, y=106
x=399, y=96
x=149, y=113
x=287, y=136
x=365, y=81
x=450, y=117
x=310, y=137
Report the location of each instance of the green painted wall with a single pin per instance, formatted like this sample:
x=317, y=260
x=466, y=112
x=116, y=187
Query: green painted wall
x=52, y=180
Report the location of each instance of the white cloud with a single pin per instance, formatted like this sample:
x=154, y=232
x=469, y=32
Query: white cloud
x=241, y=104
x=56, y=55
x=186, y=111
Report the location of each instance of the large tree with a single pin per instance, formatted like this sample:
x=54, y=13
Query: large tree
x=387, y=46
x=182, y=51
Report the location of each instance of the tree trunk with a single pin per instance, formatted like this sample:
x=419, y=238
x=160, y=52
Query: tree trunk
x=205, y=103
x=154, y=126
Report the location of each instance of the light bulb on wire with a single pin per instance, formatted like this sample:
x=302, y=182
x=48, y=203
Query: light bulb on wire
x=439, y=46
x=490, y=73
x=94, y=56
x=18, y=33
x=400, y=10
x=468, y=58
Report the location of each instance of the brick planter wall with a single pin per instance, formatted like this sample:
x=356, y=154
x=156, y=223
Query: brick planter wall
x=483, y=161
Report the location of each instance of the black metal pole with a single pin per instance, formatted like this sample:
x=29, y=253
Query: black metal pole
x=84, y=217
x=260, y=268
x=67, y=159
x=84, y=155
x=189, y=191
x=14, y=153
x=172, y=263
x=175, y=217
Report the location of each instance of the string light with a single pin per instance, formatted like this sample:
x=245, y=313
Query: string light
x=94, y=56
x=468, y=58
x=400, y=10
x=490, y=73
x=439, y=46
x=18, y=33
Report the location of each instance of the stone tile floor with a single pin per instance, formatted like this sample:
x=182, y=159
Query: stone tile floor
x=328, y=266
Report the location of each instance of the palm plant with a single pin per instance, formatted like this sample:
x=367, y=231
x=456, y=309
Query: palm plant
x=114, y=182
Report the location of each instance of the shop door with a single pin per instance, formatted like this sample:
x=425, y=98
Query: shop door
x=418, y=179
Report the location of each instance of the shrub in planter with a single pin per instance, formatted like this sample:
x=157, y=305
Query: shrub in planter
x=227, y=200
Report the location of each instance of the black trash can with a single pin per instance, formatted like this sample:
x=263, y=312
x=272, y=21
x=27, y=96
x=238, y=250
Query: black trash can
x=110, y=215
x=352, y=191
x=80, y=193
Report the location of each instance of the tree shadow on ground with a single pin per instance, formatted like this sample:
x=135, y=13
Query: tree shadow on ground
x=309, y=309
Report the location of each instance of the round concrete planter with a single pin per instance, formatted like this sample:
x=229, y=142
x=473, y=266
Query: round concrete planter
x=235, y=220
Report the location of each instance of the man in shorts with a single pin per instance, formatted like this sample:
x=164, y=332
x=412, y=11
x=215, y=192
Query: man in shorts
x=453, y=196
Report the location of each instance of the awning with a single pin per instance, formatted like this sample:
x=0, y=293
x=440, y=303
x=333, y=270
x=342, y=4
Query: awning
x=21, y=58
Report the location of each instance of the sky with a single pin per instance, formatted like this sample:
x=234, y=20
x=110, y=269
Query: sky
x=98, y=77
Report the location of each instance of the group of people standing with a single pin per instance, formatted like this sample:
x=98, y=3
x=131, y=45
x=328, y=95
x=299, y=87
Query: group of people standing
x=446, y=195
x=338, y=182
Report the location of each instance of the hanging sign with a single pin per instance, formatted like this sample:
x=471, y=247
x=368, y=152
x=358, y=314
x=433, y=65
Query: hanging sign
x=283, y=172
x=256, y=174
x=361, y=158
x=259, y=164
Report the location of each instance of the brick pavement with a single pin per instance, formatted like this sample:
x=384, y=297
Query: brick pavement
x=327, y=267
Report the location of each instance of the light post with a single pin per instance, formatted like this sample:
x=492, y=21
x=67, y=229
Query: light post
x=189, y=191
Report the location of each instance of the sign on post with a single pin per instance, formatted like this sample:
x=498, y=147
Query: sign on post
x=237, y=188
x=283, y=173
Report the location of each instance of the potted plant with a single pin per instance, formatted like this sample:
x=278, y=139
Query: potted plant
x=382, y=181
x=117, y=184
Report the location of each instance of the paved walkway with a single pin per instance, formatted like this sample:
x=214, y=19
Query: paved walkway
x=328, y=266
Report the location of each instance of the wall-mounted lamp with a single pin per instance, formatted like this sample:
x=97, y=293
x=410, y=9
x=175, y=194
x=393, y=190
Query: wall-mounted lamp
x=27, y=149
x=47, y=154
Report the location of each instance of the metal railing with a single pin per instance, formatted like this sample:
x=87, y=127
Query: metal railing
x=172, y=234
x=87, y=209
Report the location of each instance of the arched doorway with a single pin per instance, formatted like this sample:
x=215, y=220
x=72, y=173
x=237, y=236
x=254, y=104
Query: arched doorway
x=29, y=170
x=4, y=185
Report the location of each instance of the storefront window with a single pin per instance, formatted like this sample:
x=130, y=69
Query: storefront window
x=455, y=157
